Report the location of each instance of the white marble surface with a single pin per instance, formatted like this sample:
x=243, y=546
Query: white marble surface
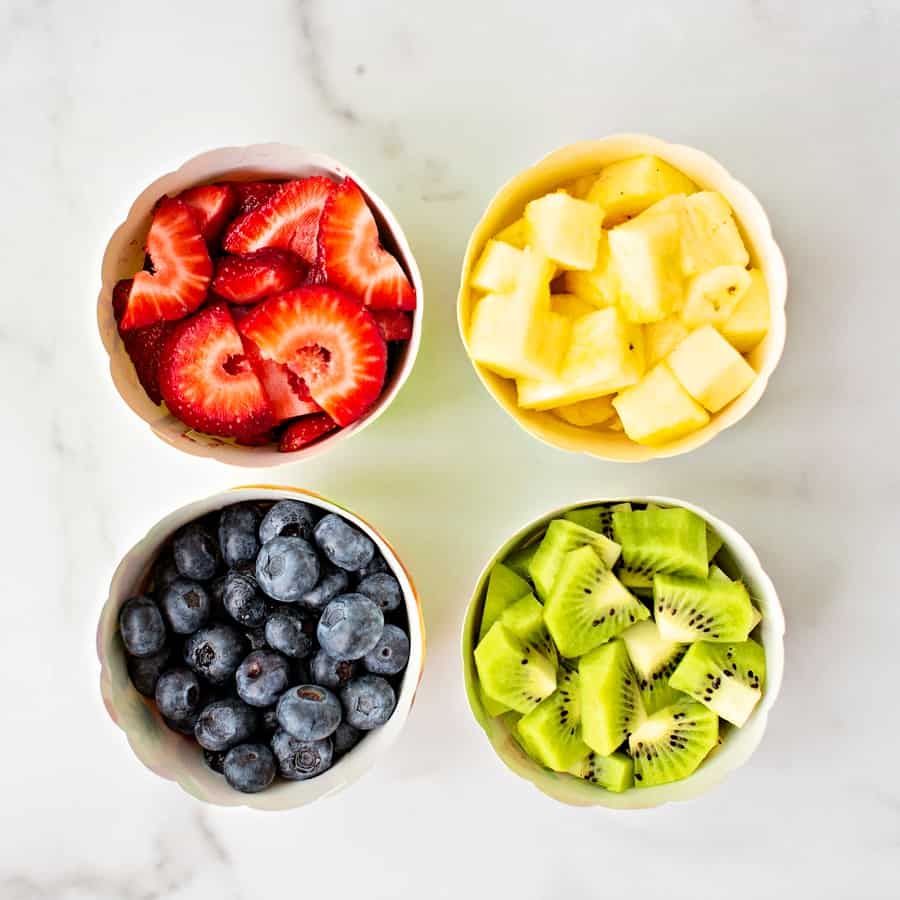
x=437, y=103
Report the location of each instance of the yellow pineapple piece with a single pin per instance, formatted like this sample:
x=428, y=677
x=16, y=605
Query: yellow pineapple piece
x=615, y=423
x=586, y=413
x=661, y=338
x=570, y=306
x=626, y=188
x=600, y=286
x=710, y=369
x=516, y=235
x=712, y=296
x=497, y=268
x=711, y=237
x=658, y=409
x=749, y=323
x=580, y=186
x=565, y=230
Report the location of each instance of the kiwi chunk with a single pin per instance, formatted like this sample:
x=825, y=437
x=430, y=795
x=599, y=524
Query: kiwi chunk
x=654, y=660
x=611, y=705
x=525, y=619
x=588, y=604
x=614, y=772
x=670, y=744
x=726, y=678
x=701, y=609
x=596, y=518
x=504, y=588
x=552, y=730
x=512, y=671
x=660, y=540
x=713, y=543
x=716, y=574
x=520, y=560
x=563, y=537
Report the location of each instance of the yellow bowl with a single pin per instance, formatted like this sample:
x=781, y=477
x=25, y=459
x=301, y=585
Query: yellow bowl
x=585, y=158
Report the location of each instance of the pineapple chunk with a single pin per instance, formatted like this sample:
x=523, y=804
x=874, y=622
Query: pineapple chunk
x=661, y=338
x=605, y=354
x=516, y=235
x=750, y=321
x=580, y=186
x=565, y=229
x=711, y=297
x=626, y=188
x=497, y=269
x=710, y=369
x=586, y=413
x=570, y=306
x=600, y=286
x=658, y=409
x=711, y=237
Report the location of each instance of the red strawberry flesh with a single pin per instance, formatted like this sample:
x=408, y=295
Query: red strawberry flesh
x=395, y=324
x=143, y=345
x=305, y=431
x=251, y=194
x=248, y=278
x=212, y=205
x=287, y=392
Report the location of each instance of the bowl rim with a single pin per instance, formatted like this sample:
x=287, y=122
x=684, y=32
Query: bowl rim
x=115, y=686
x=762, y=236
x=253, y=161
x=737, y=746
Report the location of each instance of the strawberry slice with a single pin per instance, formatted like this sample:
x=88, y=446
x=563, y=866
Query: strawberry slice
x=212, y=206
x=304, y=431
x=251, y=194
x=207, y=380
x=329, y=340
x=143, y=345
x=248, y=278
x=181, y=269
x=288, y=219
x=395, y=324
x=351, y=257
x=287, y=391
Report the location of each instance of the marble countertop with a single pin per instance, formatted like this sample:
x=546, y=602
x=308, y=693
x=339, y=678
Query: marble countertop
x=436, y=104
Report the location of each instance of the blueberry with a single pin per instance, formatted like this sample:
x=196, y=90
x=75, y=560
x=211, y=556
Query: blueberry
x=299, y=760
x=308, y=712
x=256, y=638
x=268, y=722
x=285, y=632
x=383, y=588
x=345, y=738
x=142, y=627
x=215, y=759
x=216, y=593
x=238, y=526
x=377, y=564
x=331, y=673
x=145, y=672
x=286, y=568
x=333, y=583
x=243, y=600
x=250, y=768
x=262, y=677
x=391, y=654
x=196, y=553
x=185, y=605
x=343, y=545
x=290, y=518
x=164, y=571
x=178, y=694
x=182, y=726
x=350, y=626
x=368, y=702
x=215, y=652
x=224, y=723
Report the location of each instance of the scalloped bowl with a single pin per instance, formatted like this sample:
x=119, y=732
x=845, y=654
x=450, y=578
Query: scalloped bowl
x=124, y=256
x=584, y=158
x=738, y=743
x=175, y=757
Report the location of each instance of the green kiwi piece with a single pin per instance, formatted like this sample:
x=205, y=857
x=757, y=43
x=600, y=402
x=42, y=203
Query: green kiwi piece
x=491, y=706
x=661, y=540
x=520, y=560
x=561, y=538
x=551, y=732
x=716, y=574
x=654, y=660
x=588, y=604
x=713, y=543
x=727, y=678
x=670, y=744
x=513, y=672
x=504, y=588
x=614, y=772
x=525, y=619
x=596, y=518
x=611, y=706
x=701, y=609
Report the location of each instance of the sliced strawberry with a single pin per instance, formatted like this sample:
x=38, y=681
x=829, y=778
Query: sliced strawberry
x=304, y=431
x=288, y=219
x=251, y=194
x=181, y=269
x=287, y=391
x=257, y=440
x=395, y=324
x=351, y=257
x=248, y=278
x=212, y=205
x=143, y=345
x=207, y=380
x=329, y=340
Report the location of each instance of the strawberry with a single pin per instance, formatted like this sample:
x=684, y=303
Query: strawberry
x=329, y=340
x=287, y=392
x=251, y=194
x=207, y=380
x=395, y=324
x=304, y=431
x=212, y=206
x=351, y=257
x=143, y=345
x=181, y=269
x=257, y=440
x=248, y=278
x=288, y=219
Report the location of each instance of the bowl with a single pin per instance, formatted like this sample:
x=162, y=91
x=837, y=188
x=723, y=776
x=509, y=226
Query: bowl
x=178, y=759
x=738, y=743
x=587, y=157
x=124, y=256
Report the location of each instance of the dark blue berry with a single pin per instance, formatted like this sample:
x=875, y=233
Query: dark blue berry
x=391, y=654
x=142, y=627
x=383, y=588
x=185, y=605
x=333, y=583
x=145, y=671
x=331, y=673
x=291, y=518
x=216, y=593
x=286, y=568
x=243, y=600
x=215, y=652
x=262, y=677
x=345, y=738
x=286, y=632
x=368, y=702
x=250, y=768
x=308, y=712
x=343, y=545
x=256, y=638
x=238, y=527
x=164, y=572
x=215, y=759
x=224, y=723
x=196, y=552
x=378, y=564
x=183, y=726
x=299, y=760
x=350, y=626
x=178, y=694
x=268, y=722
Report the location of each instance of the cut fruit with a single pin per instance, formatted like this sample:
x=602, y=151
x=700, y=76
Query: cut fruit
x=614, y=772
x=252, y=194
x=525, y=619
x=570, y=306
x=511, y=671
x=491, y=706
x=565, y=230
x=701, y=609
x=654, y=659
x=611, y=705
x=262, y=273
x=712, y=296
x=586, y=413
x=580, y=186
x=596, y=518
x=303, y=432
x=749, y=323
x=520, y=560
x=600, y=286
x=670, y=744
x=287, y=392
x=552, y=730
x=561, y=538
x=588, y=605
x=755, y=619
x=395, y=324
x=716, y=574
x=516, y=235
x=212, y=206
x=658, y=409
x=711, y=237
x=504, y=588
x=710, y=369
x=713, y=542
x=497, y=269
x=726, y=678
x=661, y=338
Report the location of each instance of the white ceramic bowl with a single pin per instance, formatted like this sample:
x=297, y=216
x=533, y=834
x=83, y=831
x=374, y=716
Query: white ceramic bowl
x=176, y=757
x=738, y=743
x=124, y=256
x=565, y=165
